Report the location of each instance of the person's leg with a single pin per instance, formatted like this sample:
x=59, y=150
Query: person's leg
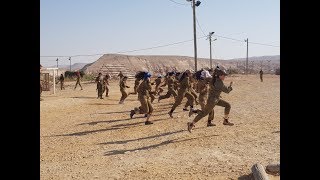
x=227, y=108
x=107, y=91
x=201, y=113
x=190, y=101
x=202, y=99
x=178, y=100
x=150, y=110
x=210, y=118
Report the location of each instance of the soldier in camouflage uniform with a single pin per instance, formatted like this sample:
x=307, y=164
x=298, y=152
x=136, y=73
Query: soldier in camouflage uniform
x=192, y=92
x=158, y=89
x=202, y=88
x=123, y=87
x=61, y=79
x=145, y=99
x=136, y=84
x=261, y=75
x=106, y=84
x=170, y=80
x=120, y=75
x=183, y=92
x=100, y=85
x=78, y=80
x=216, y=87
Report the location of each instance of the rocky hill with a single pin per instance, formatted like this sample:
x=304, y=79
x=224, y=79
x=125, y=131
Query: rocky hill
x=159, y=64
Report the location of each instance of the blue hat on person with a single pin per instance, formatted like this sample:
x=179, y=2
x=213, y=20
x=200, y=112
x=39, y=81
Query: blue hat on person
x=146, y=75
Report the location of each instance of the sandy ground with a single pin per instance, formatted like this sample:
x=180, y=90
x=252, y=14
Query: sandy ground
x=82, y=137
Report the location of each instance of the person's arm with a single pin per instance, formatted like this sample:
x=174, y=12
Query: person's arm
x=220, y=86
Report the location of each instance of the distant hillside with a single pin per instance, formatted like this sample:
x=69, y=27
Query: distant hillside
x=258, y=58
x=158, y=64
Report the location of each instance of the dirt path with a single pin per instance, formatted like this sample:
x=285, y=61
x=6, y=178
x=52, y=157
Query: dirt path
x=83, y=137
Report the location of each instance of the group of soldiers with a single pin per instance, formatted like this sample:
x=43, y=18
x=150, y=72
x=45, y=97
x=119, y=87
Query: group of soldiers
x=202, y=87
x=102, y=85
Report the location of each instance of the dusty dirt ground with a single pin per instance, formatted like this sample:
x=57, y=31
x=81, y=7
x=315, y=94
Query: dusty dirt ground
x=82, y=137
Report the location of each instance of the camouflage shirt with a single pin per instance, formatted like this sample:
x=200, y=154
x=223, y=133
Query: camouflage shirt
x=144, y=88
x=217, y=88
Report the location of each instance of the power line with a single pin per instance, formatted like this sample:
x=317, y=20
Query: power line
x=264, y=44
x=179, y=3
x=236, y=39
x=249, y=42
x=229, y=38
x=130, y=50
x=200, y=27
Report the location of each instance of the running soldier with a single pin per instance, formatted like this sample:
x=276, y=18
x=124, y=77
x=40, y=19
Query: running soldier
x=216, y=87
x=158, y=89
x=202, y=87
x=171, y=91
x=78, y=80
x=123, y=87
x=145, y=99
x=136, y=82
x=183, y=91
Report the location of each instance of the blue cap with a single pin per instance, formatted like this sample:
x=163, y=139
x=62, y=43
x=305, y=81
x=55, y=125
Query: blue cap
x=147, y=75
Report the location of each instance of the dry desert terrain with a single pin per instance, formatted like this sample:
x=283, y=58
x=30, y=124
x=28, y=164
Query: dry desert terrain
x=82, y=137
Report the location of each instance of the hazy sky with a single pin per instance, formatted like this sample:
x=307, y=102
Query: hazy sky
x=81, y=27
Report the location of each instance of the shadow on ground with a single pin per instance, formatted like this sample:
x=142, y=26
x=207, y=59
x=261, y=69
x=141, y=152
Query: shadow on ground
x=115, y=152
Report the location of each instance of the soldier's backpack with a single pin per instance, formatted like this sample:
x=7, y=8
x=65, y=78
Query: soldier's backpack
x=140, y=74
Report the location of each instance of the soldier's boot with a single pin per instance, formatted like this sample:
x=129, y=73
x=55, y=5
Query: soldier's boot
x=226, y=122
x=210, y=123
x=185, y=109
x=192, y=112
x=132, y=112
x=147, y=121
x=170, y=113
x=190, y=126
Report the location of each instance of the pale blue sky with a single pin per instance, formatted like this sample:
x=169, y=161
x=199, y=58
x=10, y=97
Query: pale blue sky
x=79, y=27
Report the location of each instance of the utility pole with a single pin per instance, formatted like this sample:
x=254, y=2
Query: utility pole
x=57, y=66
x=210, y=39
x=246, y=40
x=194, y=4
x=194, y=35
x=70, y=62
